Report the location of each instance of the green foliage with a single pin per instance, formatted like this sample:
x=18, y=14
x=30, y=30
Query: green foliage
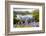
x=35, y=14
x=14, y=19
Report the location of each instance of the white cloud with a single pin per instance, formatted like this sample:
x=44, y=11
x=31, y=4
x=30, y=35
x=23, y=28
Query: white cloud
x=30, y=10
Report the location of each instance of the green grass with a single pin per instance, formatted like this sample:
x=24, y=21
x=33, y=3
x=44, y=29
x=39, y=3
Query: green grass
x=23, y=26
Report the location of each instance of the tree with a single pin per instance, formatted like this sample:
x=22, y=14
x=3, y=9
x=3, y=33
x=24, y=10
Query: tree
x=14, y=18
x=35, y=14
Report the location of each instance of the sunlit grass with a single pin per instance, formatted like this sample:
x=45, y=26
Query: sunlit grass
x=23, y=26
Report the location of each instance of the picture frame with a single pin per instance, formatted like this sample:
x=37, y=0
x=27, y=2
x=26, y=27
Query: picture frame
x=8, y=30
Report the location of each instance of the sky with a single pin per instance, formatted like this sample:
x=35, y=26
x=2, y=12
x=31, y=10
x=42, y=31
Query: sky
x=24, y=9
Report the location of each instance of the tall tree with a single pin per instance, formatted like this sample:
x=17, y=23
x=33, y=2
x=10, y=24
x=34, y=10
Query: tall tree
x=35, y=14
